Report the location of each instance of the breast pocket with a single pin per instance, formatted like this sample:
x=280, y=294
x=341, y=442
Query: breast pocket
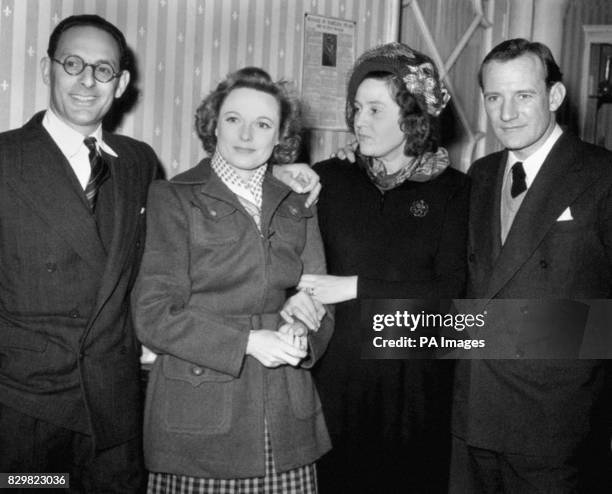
x=289, y=224
x=568, y=227
x=197, y=399
x=214, y=223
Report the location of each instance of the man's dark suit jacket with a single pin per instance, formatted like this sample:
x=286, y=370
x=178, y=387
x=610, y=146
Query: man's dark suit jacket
x=68, y=354
x=536, y=407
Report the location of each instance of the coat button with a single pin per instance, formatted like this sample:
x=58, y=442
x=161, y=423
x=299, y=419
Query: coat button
x=471, y=257
x=51, y=267
x=74, y=313
x=543, y=264
x=213, y=213
x=197, y=371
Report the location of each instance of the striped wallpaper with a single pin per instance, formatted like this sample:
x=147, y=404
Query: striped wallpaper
x=183, y=48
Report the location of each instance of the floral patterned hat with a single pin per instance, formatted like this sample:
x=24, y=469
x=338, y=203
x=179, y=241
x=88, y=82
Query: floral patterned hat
x=415, y=69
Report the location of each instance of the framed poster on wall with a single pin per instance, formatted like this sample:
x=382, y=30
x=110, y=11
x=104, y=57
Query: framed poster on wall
x=329, y=53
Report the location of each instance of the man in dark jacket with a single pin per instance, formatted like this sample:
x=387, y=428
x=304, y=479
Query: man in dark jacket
x=541, y=230
x=72, y=204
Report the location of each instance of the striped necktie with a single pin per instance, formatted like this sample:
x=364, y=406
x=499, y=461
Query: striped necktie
x=99, y=171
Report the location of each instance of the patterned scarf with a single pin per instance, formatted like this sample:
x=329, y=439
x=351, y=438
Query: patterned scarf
x=252, y=191
x=418, y=169
x=249, y=194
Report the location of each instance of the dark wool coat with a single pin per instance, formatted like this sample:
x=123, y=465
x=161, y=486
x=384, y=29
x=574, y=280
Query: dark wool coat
x=68, y=354
x=406, y=243
x=209, y=277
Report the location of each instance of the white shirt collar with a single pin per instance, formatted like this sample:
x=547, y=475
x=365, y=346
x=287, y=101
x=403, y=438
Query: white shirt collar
x=533, y=163
x=69, y=140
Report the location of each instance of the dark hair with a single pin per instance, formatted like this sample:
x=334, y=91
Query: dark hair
x=514, y=48
x=207, y=114
x=414, y=83
x=93, y=21
x=420, y=128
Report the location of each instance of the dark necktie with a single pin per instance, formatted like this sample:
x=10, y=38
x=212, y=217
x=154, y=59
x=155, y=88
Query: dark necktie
x=99, y=171
x=518, y=180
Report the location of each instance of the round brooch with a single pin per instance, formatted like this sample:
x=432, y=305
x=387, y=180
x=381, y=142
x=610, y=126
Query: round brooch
x=419, y=208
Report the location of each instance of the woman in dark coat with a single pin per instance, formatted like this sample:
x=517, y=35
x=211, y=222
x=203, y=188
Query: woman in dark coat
x=231, y=407
x=394, y=226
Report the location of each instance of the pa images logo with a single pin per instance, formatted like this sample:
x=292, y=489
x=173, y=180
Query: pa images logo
x=419, y=208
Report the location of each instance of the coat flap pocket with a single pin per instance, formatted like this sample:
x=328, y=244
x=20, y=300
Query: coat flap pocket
x=294, y=210
x=13, y=337
x=215, y=209
x=182, y=370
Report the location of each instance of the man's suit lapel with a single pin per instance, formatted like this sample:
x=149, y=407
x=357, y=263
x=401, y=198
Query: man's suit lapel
x=126, y=204
x=44, y=182
x=485, y=222
x=560, y=180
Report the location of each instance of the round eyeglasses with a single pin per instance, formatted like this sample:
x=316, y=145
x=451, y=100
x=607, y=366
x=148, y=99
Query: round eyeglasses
x=102, y=71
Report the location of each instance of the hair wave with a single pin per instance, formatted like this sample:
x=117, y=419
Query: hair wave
x=207, y=114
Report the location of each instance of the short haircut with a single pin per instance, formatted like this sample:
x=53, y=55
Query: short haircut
x=207, y=114
x=514, y=48
x=93, y=21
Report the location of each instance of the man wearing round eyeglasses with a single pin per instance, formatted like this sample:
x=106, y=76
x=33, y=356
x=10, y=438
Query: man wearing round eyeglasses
x=75, y=65
x=72, y=202
x=85, y=72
